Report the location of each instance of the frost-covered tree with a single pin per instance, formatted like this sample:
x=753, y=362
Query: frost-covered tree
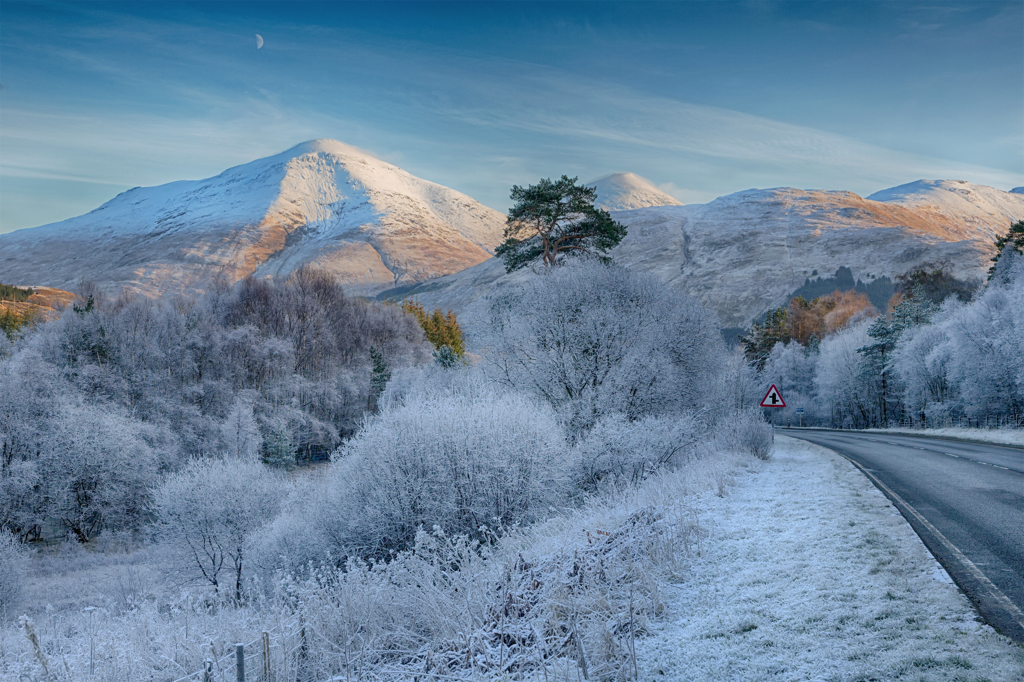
x=839, y=381
x=240, y=431
x=791, y=368
x=97, y=468
x=594, y=339
x=207, y=512
x=13, y=567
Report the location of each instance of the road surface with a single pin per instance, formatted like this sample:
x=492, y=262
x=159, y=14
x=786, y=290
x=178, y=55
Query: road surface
x=965, y=500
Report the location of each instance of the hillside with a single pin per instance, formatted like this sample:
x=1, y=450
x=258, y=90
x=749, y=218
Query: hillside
x=744, y=253
x=44, y=302
x=371, y=224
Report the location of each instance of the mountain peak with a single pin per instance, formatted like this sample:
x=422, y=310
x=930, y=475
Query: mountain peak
x=369, y=223
x=325, y=146
x=625, y=191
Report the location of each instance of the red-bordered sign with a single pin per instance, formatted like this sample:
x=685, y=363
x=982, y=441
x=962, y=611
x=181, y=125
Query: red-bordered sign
x=773, y=398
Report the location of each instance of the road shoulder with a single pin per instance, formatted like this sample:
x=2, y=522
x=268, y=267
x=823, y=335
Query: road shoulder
x=811, y=573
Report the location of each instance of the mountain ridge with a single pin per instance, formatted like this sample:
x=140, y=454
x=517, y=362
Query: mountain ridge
x=369, y=223
x=382, y=231
x=746, y=252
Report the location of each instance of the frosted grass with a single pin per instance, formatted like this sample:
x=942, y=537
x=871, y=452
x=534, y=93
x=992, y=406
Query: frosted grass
x=810, y=573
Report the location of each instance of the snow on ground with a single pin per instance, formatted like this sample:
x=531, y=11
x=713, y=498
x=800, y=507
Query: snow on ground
x=1004, y=436
x=809, y=573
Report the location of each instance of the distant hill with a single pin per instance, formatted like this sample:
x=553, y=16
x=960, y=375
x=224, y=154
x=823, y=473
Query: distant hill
x=42, y=302
x=626, y=191
x=747, y=252
x=371, y=224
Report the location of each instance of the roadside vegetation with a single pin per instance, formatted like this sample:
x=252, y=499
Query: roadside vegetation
x=485, y=515
x=947, y=353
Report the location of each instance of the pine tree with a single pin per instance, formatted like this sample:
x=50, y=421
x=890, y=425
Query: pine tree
x=441, y=329
x=379, y=377
x=553, y=219
x=912, y=311
x=1012, y=240
x=759, y=341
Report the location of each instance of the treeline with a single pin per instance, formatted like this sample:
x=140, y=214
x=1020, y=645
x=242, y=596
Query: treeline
x=946, y=350
x=99, y=402
x=9, y=292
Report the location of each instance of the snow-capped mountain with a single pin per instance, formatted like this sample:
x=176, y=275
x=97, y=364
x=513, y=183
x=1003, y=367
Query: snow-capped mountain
x=745, y=253
x=371, y=224
x=626, y=191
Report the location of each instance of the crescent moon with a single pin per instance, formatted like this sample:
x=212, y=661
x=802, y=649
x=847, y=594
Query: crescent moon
x=259, y=41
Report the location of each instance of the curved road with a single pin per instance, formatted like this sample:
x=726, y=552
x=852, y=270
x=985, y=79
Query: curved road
x=965, y=500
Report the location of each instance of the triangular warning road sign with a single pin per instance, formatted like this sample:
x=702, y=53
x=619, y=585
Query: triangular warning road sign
x=773, y=398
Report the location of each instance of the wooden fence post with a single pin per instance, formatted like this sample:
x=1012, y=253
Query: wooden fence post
x=240, y=662
x=207, y=670
x=303, y=651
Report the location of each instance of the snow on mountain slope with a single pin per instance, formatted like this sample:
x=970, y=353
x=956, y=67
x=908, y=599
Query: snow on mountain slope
x=625, y=191
x=745, y=253
x=975, y=205
x=370, y=223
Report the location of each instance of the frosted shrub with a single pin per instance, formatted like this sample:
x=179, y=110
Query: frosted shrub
x=207, y=513
x=630, y=451
x=463, y=460
x=749, y=432
x=13, y=566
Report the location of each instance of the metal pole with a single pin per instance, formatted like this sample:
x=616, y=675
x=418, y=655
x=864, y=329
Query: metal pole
x=240, y=662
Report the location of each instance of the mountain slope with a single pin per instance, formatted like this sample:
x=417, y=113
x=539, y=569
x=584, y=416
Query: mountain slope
x=747, y=252
x=626, y=191
x=370, y=223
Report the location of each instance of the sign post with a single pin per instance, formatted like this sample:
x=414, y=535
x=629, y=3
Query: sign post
x=800, y=414
x=773, y=398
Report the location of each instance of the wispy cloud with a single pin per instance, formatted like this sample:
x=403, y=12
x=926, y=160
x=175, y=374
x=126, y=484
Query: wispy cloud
x=465, y=119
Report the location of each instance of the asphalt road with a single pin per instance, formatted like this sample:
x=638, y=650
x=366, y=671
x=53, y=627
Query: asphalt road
x=965, y=500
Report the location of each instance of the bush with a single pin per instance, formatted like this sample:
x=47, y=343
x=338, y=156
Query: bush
x=465, y=460
x=630, y=451
x=749, y=432
x=13, y=567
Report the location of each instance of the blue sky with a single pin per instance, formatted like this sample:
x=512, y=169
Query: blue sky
x=703, y=98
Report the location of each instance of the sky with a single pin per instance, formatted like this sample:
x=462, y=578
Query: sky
x=702, y=98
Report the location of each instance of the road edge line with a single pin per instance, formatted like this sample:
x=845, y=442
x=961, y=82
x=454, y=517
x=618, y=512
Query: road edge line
x=995, y=593
x=955, y=439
